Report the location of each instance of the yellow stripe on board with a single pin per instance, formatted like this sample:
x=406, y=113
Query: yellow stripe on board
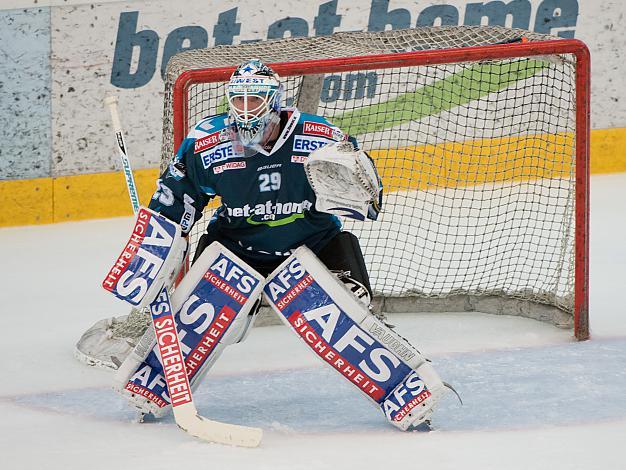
x=455, y=164
x=608, y=151
x=91, y=196
x=100, y=195
x=26, y=202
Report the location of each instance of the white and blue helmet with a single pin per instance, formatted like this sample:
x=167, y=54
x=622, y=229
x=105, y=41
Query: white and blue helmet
x=254, y=94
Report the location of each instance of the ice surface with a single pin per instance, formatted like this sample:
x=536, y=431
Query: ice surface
x=533, y=398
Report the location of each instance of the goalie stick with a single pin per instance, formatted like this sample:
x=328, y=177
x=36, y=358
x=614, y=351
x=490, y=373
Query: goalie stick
x=111, y=103
x=185, y=412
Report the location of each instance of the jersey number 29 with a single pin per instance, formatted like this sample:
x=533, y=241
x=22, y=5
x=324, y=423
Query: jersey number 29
x=269, y=182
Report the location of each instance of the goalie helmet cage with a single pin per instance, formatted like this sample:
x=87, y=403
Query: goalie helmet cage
x=481, y=137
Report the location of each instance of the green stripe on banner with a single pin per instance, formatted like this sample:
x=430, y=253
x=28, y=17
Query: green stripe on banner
x=442, y=95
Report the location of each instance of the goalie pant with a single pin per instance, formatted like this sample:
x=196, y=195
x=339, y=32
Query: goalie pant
x=214, y=306
x=346, y=336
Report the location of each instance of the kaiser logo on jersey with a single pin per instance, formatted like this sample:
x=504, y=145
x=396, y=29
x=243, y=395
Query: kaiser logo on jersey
x=316, y=128
x=207, y=142
x=332, y=334
x=142, y=258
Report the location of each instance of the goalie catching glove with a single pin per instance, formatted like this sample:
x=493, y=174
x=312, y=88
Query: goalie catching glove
x=344, y=180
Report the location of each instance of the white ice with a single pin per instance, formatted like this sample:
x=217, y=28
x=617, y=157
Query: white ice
x=533, y=397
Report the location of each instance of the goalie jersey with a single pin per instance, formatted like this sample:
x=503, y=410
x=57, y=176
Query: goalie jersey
x=267, y=205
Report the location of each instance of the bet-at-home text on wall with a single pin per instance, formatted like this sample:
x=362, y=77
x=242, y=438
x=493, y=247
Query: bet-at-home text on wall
x=55, y=123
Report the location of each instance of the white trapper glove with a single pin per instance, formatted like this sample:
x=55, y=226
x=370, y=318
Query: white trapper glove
x=344, y=180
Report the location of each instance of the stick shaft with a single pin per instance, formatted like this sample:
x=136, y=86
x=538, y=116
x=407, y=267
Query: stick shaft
x=111, y=103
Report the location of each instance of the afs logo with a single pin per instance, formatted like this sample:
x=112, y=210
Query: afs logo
x=137, y=267
x=332, y=333
x=233, y=273
x=409, y=394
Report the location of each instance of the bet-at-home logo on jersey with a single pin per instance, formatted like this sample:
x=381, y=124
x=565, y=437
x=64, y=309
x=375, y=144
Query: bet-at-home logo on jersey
x=274, y=215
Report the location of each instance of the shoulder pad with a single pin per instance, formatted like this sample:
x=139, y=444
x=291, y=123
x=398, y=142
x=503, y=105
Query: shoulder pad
x=209, y=133
x=209, y=125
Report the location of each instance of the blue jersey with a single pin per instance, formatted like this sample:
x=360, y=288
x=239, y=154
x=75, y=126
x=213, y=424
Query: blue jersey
x=267, y=205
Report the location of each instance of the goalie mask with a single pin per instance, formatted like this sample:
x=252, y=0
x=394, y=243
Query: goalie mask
x=254, y=93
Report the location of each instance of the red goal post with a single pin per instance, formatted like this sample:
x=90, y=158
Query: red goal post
x=178, y=111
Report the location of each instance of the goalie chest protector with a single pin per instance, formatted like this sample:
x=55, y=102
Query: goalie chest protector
x=268, y=206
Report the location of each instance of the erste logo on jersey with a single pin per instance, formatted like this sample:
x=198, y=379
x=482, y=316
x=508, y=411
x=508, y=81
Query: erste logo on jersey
x=216, y=154
x=303, y=143
x=322, y=130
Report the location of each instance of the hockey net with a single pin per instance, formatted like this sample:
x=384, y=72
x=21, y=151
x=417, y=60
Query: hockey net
x=480, y=135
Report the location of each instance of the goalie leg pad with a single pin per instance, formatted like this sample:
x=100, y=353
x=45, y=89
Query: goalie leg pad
x=214, y=305
x=345, y=335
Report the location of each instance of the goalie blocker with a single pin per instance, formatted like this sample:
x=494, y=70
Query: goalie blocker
x=150, y=260
x=345, y=335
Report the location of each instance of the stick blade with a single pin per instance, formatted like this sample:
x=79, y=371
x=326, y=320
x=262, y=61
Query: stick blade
x=214, y=431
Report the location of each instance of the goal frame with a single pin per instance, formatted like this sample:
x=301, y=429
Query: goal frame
x=448, y=56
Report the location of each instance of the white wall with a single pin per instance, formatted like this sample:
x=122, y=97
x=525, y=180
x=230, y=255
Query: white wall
x=91, y=46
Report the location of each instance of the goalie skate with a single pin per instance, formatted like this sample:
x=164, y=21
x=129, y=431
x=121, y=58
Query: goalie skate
x=109, y=341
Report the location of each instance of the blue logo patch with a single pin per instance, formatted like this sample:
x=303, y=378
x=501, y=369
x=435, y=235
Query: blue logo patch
x=303, y=143
x=216, y=154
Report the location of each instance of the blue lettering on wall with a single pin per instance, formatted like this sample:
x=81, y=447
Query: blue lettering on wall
x=147, y=41
x=183, y=39
x=226, y=28
x=557, y=17
x=557, y=14
x=351, y=86
x=327, y=19
x=380, y=17
x=446, y=14
x=496, y=13
x=297, y=27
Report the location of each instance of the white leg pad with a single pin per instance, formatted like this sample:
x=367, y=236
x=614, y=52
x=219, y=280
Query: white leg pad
x=214, y=306
x=345, y=335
